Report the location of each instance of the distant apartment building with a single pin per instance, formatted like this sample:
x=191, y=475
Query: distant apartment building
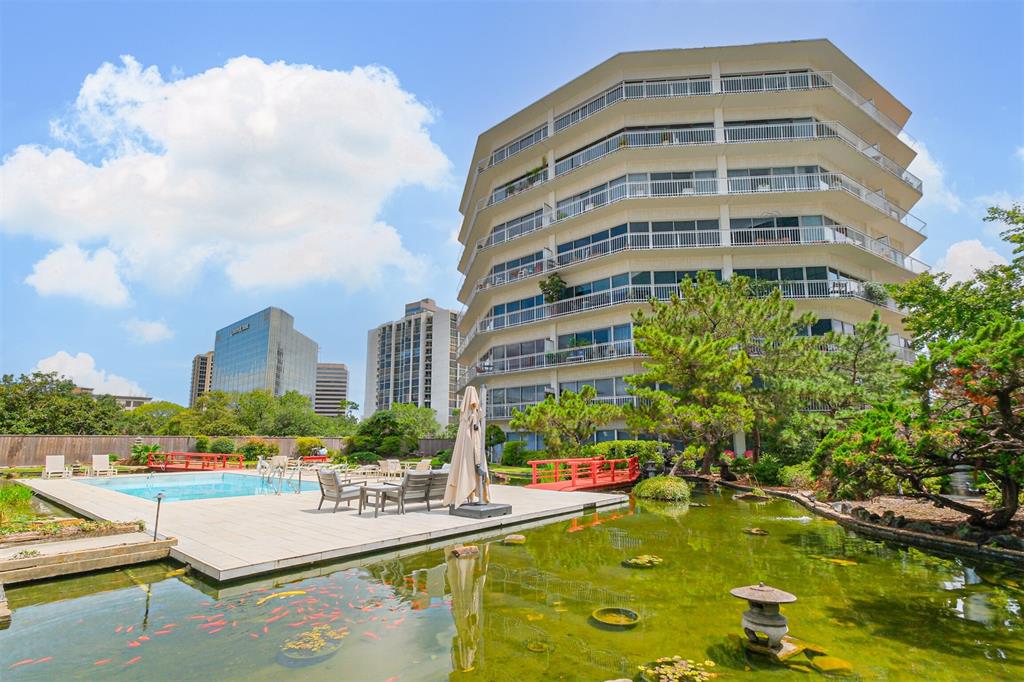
x=202, y=376
x=331, y=388
x=781, y=162
x=128, y=402
x=264, y=352
x=412, y=360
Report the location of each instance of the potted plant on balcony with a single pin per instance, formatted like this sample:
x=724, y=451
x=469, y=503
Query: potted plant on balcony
x=876, y=293
x=553, y=287
x=666, y=137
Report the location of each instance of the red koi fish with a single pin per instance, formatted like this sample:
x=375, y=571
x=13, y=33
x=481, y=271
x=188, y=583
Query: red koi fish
x=371, y=635
x=133, y=661
x=214, y=631
x=20, y=663
x=103, y=661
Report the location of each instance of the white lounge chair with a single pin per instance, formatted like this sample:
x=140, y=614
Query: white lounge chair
x=101, y=466
x=423, y=465
x=392, y=467
x=55, y=467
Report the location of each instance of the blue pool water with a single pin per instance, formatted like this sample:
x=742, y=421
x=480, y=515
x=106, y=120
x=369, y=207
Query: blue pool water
x=178, y=487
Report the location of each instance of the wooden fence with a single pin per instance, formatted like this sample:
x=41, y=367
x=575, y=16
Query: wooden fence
x=32, y=450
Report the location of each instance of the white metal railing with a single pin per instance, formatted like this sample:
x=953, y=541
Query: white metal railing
x=768, y=132
x=578, y=355
x=692, y=87
x=654, y=189
x=634, y=294
x=505, y=410
x=536, y=177
x=758, y=236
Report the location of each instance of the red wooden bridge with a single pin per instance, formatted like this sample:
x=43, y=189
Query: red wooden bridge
x=585, y=473
x=194, y=461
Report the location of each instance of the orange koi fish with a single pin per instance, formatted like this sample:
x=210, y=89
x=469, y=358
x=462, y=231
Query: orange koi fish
x=133, y=661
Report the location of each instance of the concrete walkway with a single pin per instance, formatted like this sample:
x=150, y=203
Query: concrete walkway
x=234, y=537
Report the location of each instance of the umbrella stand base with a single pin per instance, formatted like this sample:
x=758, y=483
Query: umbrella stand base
x=480, y=511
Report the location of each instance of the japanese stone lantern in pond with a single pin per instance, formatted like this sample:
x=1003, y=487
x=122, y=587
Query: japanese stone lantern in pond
x=763, y=617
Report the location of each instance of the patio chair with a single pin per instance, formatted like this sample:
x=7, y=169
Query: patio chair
x=101, y=466
x=423, y=465
x=55, y=467
x=334, y=488
x=446, y=467
x=413, y=488
x=438, y=482
x=392, y=467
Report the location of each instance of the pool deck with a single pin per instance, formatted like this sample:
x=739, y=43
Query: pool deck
x=236, y=537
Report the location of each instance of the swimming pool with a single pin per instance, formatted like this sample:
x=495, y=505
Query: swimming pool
x=178, y=487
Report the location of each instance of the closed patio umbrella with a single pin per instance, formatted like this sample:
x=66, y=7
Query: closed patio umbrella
x=466, y=575
x=464, y=477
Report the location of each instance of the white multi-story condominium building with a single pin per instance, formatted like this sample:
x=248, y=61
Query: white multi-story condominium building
x=412, y=361
x=778, y=161
x=331, y=388
x=202, y=376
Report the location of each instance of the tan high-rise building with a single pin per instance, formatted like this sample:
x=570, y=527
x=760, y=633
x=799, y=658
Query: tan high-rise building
x=202, y=376
x=331, y=388
x=412, y=361
x=778, y=161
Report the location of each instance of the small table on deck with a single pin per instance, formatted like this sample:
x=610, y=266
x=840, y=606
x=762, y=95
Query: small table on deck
x=379, y=492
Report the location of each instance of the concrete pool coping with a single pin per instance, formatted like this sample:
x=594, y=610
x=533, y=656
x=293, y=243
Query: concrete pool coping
x=235, y=537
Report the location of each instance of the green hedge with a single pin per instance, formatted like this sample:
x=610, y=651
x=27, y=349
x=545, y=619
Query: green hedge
x=202, y=444
x=645, y=450
x=365, y=457
x=513, y=453
x=222, y=445
x=254, y=448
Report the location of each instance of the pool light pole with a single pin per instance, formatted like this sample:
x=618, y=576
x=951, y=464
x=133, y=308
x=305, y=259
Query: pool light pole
x=156, y=523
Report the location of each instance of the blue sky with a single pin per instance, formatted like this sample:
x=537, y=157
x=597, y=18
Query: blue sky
x=211, y=218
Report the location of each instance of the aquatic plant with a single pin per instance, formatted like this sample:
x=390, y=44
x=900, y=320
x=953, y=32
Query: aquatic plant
x=676, y=668
x=667, y=488
x=14, y=501
x=644, y=561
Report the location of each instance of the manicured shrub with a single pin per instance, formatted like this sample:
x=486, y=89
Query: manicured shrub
x=202, y=444
x=767, y=470
x=222, y=445
x=443, y=457
x=513, y=453
x=140, y=452
x=254, y=448
x=365, y=457
x=645, y=450
x=797, y=475
x=668, y=488
x=304, y=445
x=393, y=446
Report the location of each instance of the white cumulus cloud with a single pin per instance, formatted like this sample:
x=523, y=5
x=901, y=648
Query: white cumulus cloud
x=81, y=369
x=963, y=258
x=147, y=331
x=70, y=271
x=936, y=191
x=1020, y=153
x=275, y=173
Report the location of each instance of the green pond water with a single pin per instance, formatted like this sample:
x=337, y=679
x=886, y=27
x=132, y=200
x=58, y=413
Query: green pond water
x=893, y=614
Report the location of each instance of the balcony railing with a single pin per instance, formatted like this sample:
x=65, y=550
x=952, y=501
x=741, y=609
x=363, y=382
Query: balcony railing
x=758, y=236
x=694, y=87
x=656, y=189
x=770, y=132
x=579, y=355
x=638, y=294
x=537, y=177
x=505, y=410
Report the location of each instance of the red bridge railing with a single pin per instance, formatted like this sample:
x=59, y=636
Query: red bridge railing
x=194, y=461
x=584, y=472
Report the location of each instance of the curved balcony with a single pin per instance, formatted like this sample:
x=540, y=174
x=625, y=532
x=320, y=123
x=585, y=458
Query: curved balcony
x=698, y=239
x=658, y=189
x=638, y=294
x=766, y=132
x=691, y=87
x=578, y=355
x=505, y=410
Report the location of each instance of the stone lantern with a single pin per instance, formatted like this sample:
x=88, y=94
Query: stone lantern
x=763, y=617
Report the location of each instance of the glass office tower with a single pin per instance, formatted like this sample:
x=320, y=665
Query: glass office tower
x=263, y=351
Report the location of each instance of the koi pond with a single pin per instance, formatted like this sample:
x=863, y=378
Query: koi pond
x=525, y=611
